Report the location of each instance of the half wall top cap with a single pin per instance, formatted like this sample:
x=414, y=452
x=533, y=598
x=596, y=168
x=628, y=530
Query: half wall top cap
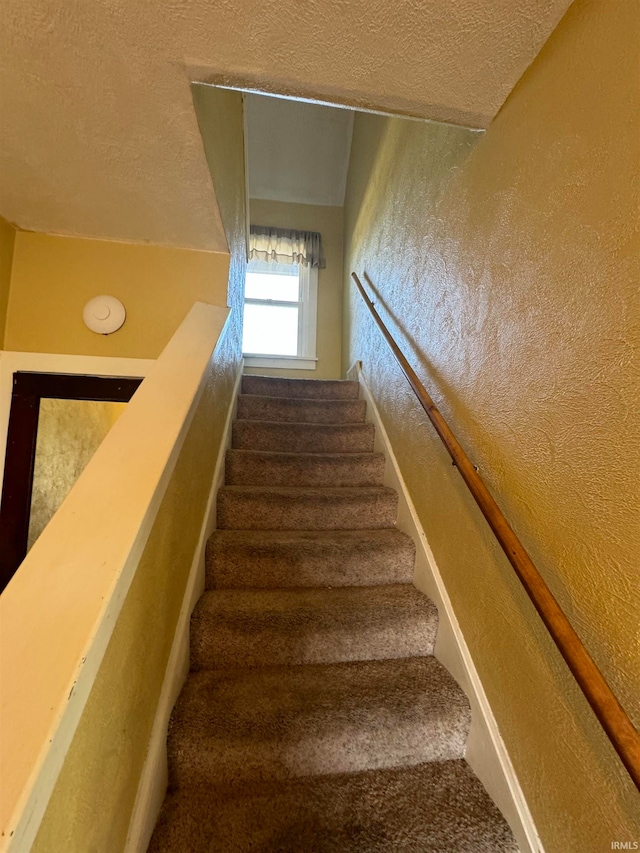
x=104, y=314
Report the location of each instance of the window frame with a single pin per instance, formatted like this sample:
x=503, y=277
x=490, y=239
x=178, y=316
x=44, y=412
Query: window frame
x=307, y=303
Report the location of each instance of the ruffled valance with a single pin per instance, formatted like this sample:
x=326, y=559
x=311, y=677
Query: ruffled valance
x=285, y=246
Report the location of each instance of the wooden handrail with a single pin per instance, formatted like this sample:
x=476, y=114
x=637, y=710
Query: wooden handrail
x=603, y=701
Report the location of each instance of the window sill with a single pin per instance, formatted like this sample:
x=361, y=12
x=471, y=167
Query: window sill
x=291, y=362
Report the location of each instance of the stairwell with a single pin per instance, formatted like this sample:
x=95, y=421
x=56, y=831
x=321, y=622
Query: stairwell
x=315, y=717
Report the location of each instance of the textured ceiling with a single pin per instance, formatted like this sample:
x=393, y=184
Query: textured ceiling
x=297, y=152
x=98, y=134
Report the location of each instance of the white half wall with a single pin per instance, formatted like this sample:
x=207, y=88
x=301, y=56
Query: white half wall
x=155, y=775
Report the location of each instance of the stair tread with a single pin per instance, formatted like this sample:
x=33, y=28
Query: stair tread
x=329, y=539
x=302, y=558
x=322, y=625
x=295, y=401
x=305, y=455
x=305, y=426
x=310, y=491
x=432, y=807
x=320, y=718
x=335, y=603
x=300, y=409
x=306, y=507
x=270, y=467
x=309, y=388
x=303, y=437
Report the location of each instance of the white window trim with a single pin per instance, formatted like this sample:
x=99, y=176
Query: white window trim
x=291, y=362
x=307, y=328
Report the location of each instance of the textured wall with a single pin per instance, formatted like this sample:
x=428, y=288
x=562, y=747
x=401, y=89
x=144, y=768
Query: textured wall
x=53, y=278
x=98, y=136
x=69, y=433
x=220, y=116
x=328, y=221
x=92, y=802
x=7, y=243
x=507, y=267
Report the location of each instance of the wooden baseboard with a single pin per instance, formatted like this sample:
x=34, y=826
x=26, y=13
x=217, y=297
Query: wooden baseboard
x=153, y=780
x=486, y=752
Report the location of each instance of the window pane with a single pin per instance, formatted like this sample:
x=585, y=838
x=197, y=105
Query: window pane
x=270, y=330
x=260, y=285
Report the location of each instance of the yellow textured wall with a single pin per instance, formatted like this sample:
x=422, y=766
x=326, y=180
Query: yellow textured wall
x=93, y=799
x=328, y=221
x=7, y=243
x=53, y=278
x=220, y=115
x=69, y=433
x=92, y=802
x=507, y=267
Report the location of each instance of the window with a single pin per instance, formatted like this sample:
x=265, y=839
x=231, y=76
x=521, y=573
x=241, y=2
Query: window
x=280, y=315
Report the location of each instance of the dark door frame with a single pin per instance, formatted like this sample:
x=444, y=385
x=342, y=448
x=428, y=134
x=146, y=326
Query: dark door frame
x=28, y=389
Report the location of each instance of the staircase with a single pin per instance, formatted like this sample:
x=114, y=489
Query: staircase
x=315, y=717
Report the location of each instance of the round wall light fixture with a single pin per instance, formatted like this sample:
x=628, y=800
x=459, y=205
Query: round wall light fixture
x=104, y=315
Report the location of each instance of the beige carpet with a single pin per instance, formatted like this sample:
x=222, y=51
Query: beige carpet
x=315, y=717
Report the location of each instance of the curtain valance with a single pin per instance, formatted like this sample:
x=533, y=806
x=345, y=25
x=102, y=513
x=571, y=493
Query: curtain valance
x=286, y=246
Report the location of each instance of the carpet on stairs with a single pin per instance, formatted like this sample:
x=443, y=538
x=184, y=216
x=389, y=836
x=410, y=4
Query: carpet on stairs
x=315, y=716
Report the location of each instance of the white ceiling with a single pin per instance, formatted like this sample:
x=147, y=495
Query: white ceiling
x=297, y=152
x=98, y=135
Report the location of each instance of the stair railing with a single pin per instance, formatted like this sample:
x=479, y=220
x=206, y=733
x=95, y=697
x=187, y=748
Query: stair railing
x=607, y=708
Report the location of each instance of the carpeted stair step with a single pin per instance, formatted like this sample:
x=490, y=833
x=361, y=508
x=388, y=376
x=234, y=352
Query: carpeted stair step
x=233, y=628
x=299, y=410
x=284, y=508
x=237, y=559
x=316, y=389
x=266, y=468
x=438, y=807
x=232, y=726
x=302, y=438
